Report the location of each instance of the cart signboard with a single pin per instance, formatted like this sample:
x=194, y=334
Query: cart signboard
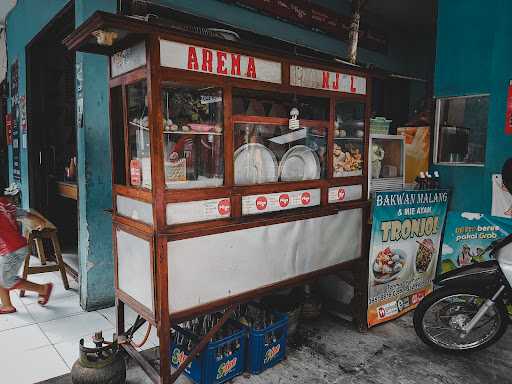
x=406, y=237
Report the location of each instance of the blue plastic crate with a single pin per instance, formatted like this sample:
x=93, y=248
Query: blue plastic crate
x=212, y=365
x=267, y=346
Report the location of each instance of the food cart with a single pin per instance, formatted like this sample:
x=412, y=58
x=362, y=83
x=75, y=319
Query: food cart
x=236, y=172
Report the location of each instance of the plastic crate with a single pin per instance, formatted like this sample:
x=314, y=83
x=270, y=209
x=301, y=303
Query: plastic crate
x=267, y=346
x=212, y=365
x=380, y=125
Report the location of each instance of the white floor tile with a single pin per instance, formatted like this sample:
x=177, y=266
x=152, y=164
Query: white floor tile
x=73, y=327
x=19, y=319
x=21, y=339
x=44, y=362
x=55, y=309
x=109, y=314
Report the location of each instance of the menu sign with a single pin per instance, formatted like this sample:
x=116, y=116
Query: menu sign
x=326, y=80
x=272, y=202
x=222, y=63
x=405, y=244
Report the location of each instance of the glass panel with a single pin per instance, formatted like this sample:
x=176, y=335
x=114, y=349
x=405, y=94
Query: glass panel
x=349, y=129
x=138, y=135
x=193, y=136
x=266, y=153
x=462, y=129
x=272, y=104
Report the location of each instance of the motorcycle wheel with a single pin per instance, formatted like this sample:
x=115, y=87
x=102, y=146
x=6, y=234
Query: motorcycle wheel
x=439, y=318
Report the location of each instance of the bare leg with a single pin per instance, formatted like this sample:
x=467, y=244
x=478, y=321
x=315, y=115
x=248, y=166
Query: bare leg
x=5, y=298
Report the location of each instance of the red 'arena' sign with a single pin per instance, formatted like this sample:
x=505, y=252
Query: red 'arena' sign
x=224, y=207
x=217, y=62
x=261, y=203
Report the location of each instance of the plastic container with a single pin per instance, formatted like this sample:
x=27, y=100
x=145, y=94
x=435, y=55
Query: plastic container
x=213, y=365
x=267, y=346
x=380, y=125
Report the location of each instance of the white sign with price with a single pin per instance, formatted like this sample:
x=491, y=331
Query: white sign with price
x=345, y=193
x=281, y=201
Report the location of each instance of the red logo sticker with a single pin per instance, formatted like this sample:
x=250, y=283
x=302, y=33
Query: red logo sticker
x=284, y=200
x=341, y=194
x=224, y=207
x=261, y=203
x=305, y=198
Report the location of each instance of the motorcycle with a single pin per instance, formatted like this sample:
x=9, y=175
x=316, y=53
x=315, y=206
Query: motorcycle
x=469, y=310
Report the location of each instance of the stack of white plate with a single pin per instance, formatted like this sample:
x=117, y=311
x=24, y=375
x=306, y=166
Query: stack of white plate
x=299, y=163
x=255, y=164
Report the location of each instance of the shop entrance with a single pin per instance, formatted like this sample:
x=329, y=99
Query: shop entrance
x=52, y=136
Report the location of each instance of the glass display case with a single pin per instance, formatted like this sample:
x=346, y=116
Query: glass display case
x=138, y=135
x=349, y=139
x=193, y=123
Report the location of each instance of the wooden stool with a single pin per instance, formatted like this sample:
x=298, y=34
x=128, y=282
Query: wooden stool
x=35, y=239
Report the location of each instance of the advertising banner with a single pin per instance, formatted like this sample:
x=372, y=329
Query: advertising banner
x=465, y=236
x=406, y=236
x=417, y=151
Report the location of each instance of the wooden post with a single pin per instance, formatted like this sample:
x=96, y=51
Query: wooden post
x=353, y=37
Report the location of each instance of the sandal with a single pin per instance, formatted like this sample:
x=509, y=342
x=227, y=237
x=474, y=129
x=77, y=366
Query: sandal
x=6, y=311
x=43, y=299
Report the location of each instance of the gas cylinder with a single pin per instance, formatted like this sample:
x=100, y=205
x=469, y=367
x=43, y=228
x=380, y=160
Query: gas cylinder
x=103, y=364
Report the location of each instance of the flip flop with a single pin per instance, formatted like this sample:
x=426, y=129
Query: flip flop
x=7, y=311
x=43, y=299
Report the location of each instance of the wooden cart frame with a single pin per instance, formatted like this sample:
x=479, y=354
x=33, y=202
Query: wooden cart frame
x=132, y=31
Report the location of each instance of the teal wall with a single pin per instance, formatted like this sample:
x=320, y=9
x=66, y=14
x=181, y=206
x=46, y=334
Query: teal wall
x=94, y=171
x=473, y=57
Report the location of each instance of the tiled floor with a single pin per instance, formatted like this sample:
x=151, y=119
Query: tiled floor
x=38, y=343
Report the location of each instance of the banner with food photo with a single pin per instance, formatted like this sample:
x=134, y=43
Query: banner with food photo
x=406, y=237
x=467, y=235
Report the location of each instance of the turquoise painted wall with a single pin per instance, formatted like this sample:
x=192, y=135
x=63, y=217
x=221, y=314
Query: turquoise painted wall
x=473, y=57
x=95, y=174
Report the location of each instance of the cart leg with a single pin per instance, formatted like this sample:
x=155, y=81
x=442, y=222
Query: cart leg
x=165, y=359
x=120, y=317
x=202, y=344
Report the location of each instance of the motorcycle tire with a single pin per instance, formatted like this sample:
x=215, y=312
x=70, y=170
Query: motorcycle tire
x=441, y=293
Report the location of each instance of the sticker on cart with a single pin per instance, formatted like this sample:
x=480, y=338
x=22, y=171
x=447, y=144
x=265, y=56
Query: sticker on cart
x=345, y=193
x=282, y=201
x=261, y=203
x=224, y=207
x=305, y=198
x=195, y=211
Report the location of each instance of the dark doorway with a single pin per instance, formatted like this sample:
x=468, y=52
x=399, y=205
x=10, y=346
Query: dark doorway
x=52, y=135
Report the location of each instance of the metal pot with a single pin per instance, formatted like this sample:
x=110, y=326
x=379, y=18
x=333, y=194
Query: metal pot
x=103, y=364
